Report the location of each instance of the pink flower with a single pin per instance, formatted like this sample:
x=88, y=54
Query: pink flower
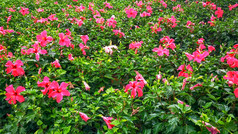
x=111, y=22
x=107, y=5
x=144, y=14
x=36, y=50
x=135, y=86
x=84, y=116
x=64, y=40
x=135, y=45
x=84, y=38
x=24, y=11
x=160, y=51
x=79, y=22
x=232, y=76
x=140, y=78
x=59, y=91
x=232, y=6
x=52, y=17
x=108, y=49
x=40, y=10
x=139, y=4
x=197, y=85
x=87, y=87
x=149, y=9
x=15, y=68
x=155, y=29
x=11, y=10
x=56, y=64
x=9, y=18
x=184, y=83
x=200, y=56
x=131, y=13
x=236, y=92
x=211, y=48
x=189, y=23
x=181, y=102
x=163, y=3
x=211, y=128
x=118, y=32
x=108, y=122
x=159, y=76
x=100, y=20
x=45, y=84
x=83, y=47
x=219, y=12
x=186, y=71
x=14, y=95
x=168, y=42
x=70, y=56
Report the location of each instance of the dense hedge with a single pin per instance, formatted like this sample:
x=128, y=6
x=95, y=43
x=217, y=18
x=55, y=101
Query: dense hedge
x=151, y=66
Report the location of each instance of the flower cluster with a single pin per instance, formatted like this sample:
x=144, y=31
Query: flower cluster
x=231, y=57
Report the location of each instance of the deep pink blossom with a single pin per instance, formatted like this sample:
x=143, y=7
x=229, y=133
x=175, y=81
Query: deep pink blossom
x=84, y=38
x=219, y=12
x=236, y=92
x=43, y=38
x=197, y=85
x=45, y=84
x=108, y=5
x=211, y=48
x=140, y=78
x=83, y=47
x=135, y=45
x=232, y=6
x=24, y=11
x=14, y=95
x=9, y=18
x=135, y=87
x=64, y=40
x=118, y=32
x=108, y=122
x=181, y=102
x=186, y=71
x=131, y=13
x=40, y=10
x=15, y=68
x=111, y=22
x=161, y=51
x=155, y=29
x=70, y=56
x=211, y=128
x=58, y=91
x=52, y=17
x=56, y=64
x=84, y=116
x=36, y=50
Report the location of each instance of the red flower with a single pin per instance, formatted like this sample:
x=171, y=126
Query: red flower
x=211, y=128
x=64, y=40
x=135, y=86
x=219, y=12
x=46, y=84
x=84, y=38
x=36, y=50
x=135, y=45
x=236, y=92
x=56, y=64
x=14, y=95
x=211, y=48
x=186, y=71
x=108, y=122
x=160, y=51
x=15, y=68
x=131, y=12
x=43, y=38
x=58, y=91
x=84, y=116
x=83, y=48
x=24, y=11
x=140, y=78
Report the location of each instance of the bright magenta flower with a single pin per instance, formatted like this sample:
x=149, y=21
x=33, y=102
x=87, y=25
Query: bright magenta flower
x=181, y=102
x=135, y=86
x=232, y=6
x=236, y=92
x=107, y=5
x=149, y=9
x=111, y=22
x=9, y=18
x=56, y=64
x=140, y=78
x=84, y=116
x=24, y=11
x=52, y=17
x=118, y=32
x=168, y=42
x=211, y=48
x=135, y=45
x=70, y=56
x=160, y=51
x=155, y=29
x=108, y=122
x=139, y=4
x=36, y=50
x=43, y=38
x=197, y=85
x=219, y=12
x=186, y=71
x=232, y=76
x=83, y=47
x=200, y=56
x=15, y=68
x=211, y=128
x=144, y=14
x=64, y=40
x=84, y=38
x=46, y=85
x=59, y=91
x=131, y=13
x=14, y=95
x=232, y=61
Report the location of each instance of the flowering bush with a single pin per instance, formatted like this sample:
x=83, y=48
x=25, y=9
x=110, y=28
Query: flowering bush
x=90, y=66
